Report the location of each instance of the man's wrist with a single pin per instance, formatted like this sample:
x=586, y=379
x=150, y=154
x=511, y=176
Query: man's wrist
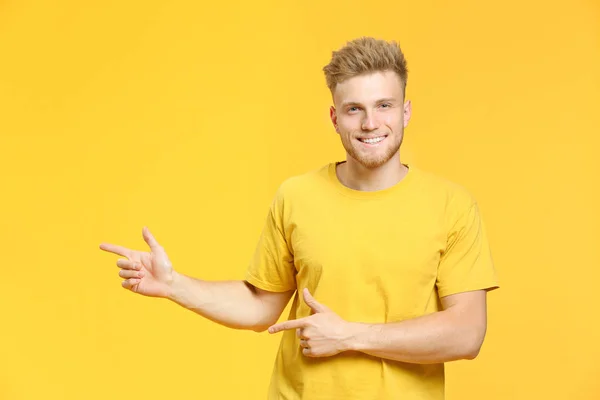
x=357, y=333
x=174, y=286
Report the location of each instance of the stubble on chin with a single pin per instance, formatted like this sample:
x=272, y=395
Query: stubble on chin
x=370, y=161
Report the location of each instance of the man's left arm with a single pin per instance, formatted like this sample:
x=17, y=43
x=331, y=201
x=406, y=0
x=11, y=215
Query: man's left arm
x=457, y=332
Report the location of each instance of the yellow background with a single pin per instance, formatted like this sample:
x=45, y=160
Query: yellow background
x=185, y=116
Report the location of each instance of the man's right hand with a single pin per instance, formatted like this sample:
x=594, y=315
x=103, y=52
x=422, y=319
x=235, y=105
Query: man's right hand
x=147, y=273
x=235, y=303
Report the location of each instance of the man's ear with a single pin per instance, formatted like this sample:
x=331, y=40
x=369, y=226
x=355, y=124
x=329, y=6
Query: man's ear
x=333, y=116
x=407, y=112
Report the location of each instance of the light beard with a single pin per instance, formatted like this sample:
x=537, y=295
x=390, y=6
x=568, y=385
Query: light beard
x=374, y=161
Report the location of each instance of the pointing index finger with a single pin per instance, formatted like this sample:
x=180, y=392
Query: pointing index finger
x=287, y=325
x=116, y=249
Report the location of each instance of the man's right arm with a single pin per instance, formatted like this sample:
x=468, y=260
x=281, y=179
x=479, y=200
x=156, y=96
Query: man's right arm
x=236, y=304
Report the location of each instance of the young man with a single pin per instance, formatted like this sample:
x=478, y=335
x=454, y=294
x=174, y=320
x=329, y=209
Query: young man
x=389, y=264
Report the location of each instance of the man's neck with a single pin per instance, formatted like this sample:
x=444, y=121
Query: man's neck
x=357, y=177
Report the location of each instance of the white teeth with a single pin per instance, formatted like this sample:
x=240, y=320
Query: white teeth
x=374, y=140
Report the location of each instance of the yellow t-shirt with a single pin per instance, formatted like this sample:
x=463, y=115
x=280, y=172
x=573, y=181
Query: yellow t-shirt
x=371, y=257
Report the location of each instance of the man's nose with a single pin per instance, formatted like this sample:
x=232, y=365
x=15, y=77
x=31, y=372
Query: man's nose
x=369, y=123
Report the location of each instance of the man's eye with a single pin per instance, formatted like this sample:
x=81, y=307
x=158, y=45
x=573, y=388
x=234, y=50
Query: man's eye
x=386, y=105
x=352, y=109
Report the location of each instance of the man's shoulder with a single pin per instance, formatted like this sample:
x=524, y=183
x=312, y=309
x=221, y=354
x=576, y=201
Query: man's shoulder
x=454, y=194
x=304, y=182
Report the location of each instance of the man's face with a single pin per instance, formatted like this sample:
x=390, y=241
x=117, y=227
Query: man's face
x=370, y=115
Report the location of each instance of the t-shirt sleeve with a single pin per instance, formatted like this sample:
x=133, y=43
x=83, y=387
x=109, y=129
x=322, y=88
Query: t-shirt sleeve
x=466, y=264
x=272, y=265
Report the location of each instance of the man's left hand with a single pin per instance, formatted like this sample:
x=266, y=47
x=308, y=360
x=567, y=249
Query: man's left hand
x=322, y=334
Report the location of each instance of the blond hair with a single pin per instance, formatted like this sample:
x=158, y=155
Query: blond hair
x=365, y=55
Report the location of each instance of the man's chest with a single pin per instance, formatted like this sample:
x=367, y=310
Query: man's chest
x=368, y=242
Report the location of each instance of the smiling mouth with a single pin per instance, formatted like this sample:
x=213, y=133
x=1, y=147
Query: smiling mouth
x=373, y=140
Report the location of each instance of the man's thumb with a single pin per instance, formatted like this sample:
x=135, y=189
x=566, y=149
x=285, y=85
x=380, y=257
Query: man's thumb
x=312, y=303
x=150, y=240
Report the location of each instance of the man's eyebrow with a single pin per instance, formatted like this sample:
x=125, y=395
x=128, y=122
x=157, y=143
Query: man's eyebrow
x=356, y=103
